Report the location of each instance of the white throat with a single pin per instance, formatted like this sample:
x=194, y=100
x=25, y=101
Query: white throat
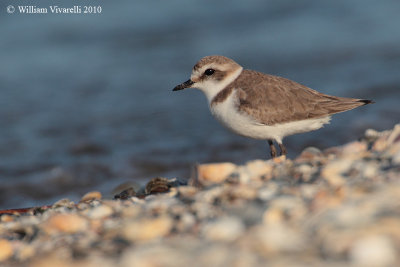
x=211, y=88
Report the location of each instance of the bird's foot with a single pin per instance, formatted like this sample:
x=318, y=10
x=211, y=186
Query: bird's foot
x=283, y=150
x=272, y=149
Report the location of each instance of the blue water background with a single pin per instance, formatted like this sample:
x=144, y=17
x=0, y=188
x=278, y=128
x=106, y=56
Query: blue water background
x=86, y=101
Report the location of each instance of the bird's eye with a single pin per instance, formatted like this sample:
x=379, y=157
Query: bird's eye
x=209, y=72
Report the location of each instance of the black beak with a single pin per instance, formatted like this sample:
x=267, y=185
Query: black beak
x=184, y=85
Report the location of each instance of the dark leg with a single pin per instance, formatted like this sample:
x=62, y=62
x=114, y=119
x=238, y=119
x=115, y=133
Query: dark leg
x=283, y=149
x=272, y=148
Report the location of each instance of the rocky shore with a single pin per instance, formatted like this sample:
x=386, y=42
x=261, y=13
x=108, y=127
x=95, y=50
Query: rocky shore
x=336, y=207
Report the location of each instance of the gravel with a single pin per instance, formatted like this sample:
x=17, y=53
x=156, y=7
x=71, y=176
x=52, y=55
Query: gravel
x=336, y=207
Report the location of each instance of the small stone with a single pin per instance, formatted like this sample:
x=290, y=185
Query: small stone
x=176, y=182
x=267, y=192
x=387, y=138
x=373, y=251
x=273, y=216
x=259, y=168
x=225, y=229
x=53, y=260
x=323, y=199
x=242, y=192
x=125, y=186
x=26, y=252
x=213, y=173
x=354, y=148
x=308, y=191
x=380, y=144
x=305, y=172
x=332, y=172
x=172, y=192
x=372, y=134
x=279, y=159
x=394, y=135
x=91, y=196
x=396, y=158
x=276, y=238
x=6, y=250
x=187, y=191
x=68, y=223
x=65, y=202
x=210, y=195
x=160, y=204
x=83, y=206
x=131, y=211
x=370, y=170
x=99, y=212
x=186, y=222
x=127, y=193
x=157, y=256
x=309, y=154
x=7, y=218
x=147, y=228
x=285, y=208
x=157, y=185
x=216, y=254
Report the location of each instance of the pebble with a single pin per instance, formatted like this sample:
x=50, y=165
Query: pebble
x=309, y=154
x=241, y=192
x=67, y=223
x=225, y=229
x=125, y=194
x=187, y=192
x=279, y=159
x=157, y=185
x=186, y=222
x=386, y=139
x=125, y=187
x=147, y=229
x=91, y=196
x=267, y=192
x=396, y=157
x=277, y=238
x=7, y=218
x=214, y=173
x=132, y=211
x=165, y=256
x=25, y=252
x=64, y=203
x=333, y=171
x=259, y=169
x=354, y=149
x=373, y=251
x=100, y=212
x=6, y=250
x=394, y=135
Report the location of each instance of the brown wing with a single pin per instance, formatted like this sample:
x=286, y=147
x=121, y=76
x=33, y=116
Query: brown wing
x=271, y=99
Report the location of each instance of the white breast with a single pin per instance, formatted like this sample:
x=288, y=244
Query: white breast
x=227, y=113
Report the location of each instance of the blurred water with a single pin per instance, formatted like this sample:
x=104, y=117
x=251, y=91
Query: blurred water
x=86, y=100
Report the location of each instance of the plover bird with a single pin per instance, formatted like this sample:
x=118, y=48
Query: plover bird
x=263, y=106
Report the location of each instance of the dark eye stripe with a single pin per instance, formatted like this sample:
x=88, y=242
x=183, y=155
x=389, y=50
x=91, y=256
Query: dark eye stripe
x=209, y=72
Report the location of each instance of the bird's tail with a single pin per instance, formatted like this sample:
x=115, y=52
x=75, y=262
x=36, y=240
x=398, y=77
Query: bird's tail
x=366, y=101
x=344, y=104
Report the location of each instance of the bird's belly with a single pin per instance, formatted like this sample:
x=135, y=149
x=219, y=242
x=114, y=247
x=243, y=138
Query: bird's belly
x=244, y=125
